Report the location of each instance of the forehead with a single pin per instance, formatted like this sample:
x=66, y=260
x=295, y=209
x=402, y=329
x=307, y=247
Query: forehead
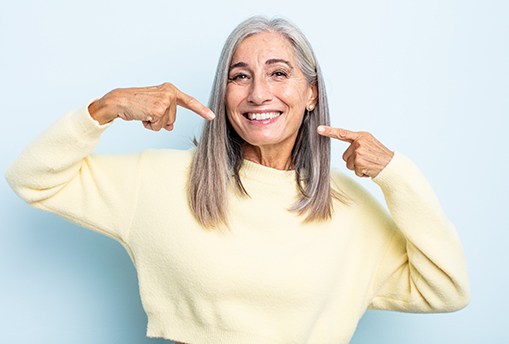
x=263, y=46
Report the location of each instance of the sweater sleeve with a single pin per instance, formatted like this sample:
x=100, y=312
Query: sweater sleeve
x=57, y=173
x=423, y=267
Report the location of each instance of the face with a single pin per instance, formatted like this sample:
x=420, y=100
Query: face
x=267, y=94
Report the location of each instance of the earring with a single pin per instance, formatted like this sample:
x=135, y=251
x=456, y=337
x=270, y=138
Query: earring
x=311, y=107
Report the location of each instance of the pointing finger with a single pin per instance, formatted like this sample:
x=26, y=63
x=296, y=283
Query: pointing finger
x=338, y=133
x=194, y=105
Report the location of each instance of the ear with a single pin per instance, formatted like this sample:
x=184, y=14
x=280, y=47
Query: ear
x=312, y=97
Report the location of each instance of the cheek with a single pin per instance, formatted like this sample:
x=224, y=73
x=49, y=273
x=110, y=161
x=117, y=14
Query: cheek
x=229, y=97
x=293, y=96
x=233, y=97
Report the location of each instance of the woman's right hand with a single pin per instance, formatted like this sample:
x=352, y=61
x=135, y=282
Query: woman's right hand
x=155, y=106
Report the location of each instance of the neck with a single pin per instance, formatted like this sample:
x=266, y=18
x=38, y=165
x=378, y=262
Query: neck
x=278, y=157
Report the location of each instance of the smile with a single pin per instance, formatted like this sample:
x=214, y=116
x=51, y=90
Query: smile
x=262, y=116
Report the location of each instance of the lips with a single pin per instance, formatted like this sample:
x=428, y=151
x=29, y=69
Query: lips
x=262, y=116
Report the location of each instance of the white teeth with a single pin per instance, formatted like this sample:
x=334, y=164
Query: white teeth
x=262, y=116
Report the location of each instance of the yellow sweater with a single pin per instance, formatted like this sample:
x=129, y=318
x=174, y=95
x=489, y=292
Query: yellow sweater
x=270, y=278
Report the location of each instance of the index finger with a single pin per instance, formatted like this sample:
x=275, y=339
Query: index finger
x=194, y=105
x=338, y=133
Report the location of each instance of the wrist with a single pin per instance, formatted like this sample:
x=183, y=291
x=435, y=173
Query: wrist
x=100, y=111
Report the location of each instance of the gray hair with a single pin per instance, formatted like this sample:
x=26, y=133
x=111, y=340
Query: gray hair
x=219, y=155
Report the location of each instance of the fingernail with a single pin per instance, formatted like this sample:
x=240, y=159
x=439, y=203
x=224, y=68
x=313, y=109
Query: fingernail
x=212, y=115
x=321, y=129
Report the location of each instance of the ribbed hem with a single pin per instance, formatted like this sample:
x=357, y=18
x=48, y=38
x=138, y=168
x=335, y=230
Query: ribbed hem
x=168, y=326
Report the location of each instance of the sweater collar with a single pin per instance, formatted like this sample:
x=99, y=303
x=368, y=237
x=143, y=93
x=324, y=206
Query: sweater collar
x=264, y=174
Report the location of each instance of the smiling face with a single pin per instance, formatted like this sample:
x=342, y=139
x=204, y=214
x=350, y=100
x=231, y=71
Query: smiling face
x=267, y=94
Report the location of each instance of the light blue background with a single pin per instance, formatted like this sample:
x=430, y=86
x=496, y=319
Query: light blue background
x=428, y=78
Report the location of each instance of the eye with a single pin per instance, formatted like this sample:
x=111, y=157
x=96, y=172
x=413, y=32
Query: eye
x=280, y=74
x=239, y=77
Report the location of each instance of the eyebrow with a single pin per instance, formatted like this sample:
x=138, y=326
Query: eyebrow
x=238, y=64
x=268, y=62
x=274, y=61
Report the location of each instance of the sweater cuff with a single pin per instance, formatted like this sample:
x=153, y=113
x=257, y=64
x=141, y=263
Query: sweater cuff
x=397, y=170
x=85, y=125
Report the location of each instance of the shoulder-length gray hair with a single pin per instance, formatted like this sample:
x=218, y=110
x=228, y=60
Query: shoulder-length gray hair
x=219, y=155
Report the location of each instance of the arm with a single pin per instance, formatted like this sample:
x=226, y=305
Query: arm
x=423, y=268
x=57, y=173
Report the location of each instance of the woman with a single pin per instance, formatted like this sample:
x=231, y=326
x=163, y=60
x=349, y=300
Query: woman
x=250, y=238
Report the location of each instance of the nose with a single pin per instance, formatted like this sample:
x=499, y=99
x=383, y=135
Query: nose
x=259, y=92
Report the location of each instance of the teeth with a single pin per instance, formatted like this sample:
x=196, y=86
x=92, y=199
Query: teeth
x=262, y=116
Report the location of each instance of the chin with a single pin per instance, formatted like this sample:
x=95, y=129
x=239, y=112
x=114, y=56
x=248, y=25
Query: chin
x=261, y=141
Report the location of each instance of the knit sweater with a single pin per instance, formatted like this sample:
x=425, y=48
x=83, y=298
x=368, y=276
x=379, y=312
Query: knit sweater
x=270, y=277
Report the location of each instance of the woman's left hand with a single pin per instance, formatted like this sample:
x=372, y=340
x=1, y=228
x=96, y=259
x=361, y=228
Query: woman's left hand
x=366, y=156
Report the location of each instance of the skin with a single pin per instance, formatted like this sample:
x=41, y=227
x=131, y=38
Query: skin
x=266, y=84
x=154, y=106
x=365, y=155
x=263, y=77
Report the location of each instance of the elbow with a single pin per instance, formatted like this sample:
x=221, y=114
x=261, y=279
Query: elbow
x=25, y=187
x=12, y=178
x=453, y=299
x=458, y=293
x=460, y=299
x=443, y=294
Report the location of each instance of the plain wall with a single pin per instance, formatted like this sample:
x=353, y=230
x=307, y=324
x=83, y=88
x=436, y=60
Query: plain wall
x=428, y=78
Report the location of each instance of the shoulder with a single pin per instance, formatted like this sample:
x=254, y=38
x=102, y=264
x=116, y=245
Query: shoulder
x=165, y=160
x=358, y=198
x=347, y=186
x=162, y=155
